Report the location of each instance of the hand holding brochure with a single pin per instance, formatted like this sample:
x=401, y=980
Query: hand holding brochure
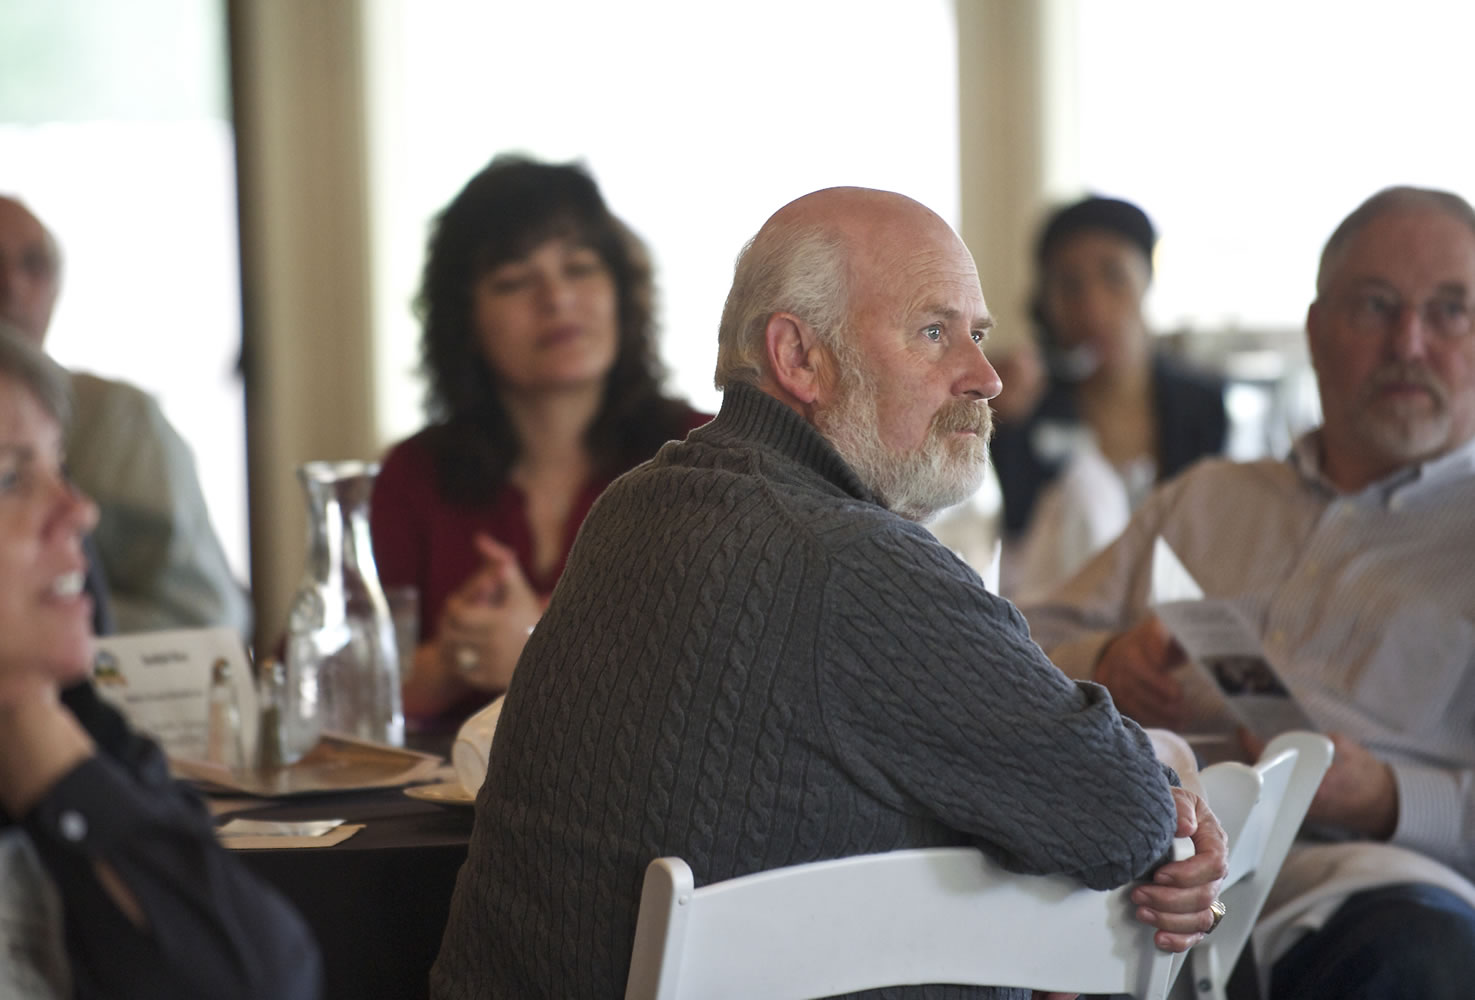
x=1229, y=682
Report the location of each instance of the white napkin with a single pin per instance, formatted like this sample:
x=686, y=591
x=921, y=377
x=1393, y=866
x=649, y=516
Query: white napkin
x=474, y=745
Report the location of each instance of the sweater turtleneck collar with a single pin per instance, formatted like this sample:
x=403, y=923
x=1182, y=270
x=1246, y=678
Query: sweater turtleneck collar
x=750, y=415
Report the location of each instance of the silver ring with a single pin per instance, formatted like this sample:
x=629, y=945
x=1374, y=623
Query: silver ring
x=466, y=659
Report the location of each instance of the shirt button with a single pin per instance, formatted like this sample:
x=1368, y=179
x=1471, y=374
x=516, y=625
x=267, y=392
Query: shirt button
x=73, y=825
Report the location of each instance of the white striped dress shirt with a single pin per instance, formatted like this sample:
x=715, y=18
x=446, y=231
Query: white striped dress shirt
x=1365, y=603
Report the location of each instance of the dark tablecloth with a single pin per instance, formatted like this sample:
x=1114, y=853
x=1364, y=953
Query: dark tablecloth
x=378, y=901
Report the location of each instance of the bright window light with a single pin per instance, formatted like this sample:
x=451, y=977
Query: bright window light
x=115, y=130
x=698, y=121
x=1248, y=130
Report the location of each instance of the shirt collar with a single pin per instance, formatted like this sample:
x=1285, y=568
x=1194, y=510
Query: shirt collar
x=1405, y=483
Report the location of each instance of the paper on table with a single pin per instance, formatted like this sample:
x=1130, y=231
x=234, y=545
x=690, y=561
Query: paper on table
x=258, y=841
x=276, y=828
x=1231, y=683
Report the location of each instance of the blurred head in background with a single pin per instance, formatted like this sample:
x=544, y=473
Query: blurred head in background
x=1095, y=264
x=533, y=288
x=30, y=271
x=1391, y=334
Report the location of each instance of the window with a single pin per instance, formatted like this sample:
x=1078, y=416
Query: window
x=697, y=121
x=115, y=131
x=1247, y=131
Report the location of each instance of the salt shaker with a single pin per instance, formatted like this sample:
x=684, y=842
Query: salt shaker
x=273, y=749
x=224, y=741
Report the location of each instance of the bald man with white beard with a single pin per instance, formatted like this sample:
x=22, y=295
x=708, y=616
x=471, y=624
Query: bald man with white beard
x=757, y=657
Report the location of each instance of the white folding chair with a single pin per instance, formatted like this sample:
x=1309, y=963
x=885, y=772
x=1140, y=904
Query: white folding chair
x=941, y=915
x=1260, y=808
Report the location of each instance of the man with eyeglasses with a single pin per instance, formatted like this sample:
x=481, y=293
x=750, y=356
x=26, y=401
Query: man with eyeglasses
x=1355, y=558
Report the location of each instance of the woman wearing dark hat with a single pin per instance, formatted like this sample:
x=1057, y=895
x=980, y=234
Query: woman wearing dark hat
x=1114, y=417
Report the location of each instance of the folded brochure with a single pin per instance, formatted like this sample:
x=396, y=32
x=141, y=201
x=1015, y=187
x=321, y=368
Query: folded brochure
x=1230, y=682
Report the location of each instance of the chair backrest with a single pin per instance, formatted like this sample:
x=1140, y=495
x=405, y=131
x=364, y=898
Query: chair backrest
x=940, y=915
x=1261, y=809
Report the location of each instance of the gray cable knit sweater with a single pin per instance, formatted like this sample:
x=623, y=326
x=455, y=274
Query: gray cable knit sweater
x=749, y=663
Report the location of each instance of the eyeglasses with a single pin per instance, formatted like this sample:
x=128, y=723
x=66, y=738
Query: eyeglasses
x=1376, y=311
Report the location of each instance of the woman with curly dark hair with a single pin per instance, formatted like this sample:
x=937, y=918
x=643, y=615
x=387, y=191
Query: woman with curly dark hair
x=539, y=344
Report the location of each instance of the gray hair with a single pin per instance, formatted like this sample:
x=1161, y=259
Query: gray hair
x=1390, y=199
x=27, y=364
x=801, y=269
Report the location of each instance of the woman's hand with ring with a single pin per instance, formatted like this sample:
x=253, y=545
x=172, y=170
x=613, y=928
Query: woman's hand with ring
x=466, y=660
x=486, y=622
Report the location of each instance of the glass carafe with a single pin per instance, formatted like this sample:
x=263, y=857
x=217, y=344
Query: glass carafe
x=342, y=662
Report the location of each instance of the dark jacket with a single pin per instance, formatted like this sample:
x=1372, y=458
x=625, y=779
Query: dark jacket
x=213, y=929
x=1188, y=410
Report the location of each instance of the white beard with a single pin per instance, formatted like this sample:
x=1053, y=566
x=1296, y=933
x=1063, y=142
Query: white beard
x=1405, y=431
x=918, y=484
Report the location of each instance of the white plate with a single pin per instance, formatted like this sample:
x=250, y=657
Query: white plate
x=443, y=793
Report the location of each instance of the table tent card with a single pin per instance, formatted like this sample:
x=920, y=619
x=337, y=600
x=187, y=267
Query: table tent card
x=162, y=681
x=1230, y=683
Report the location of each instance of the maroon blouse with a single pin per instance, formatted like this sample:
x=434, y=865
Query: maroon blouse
x=425, y=541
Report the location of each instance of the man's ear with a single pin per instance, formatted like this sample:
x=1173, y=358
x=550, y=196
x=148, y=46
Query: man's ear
x=1314, y=332
x=796, y=358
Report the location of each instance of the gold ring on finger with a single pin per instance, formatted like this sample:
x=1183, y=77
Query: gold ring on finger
x=1218, y=909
